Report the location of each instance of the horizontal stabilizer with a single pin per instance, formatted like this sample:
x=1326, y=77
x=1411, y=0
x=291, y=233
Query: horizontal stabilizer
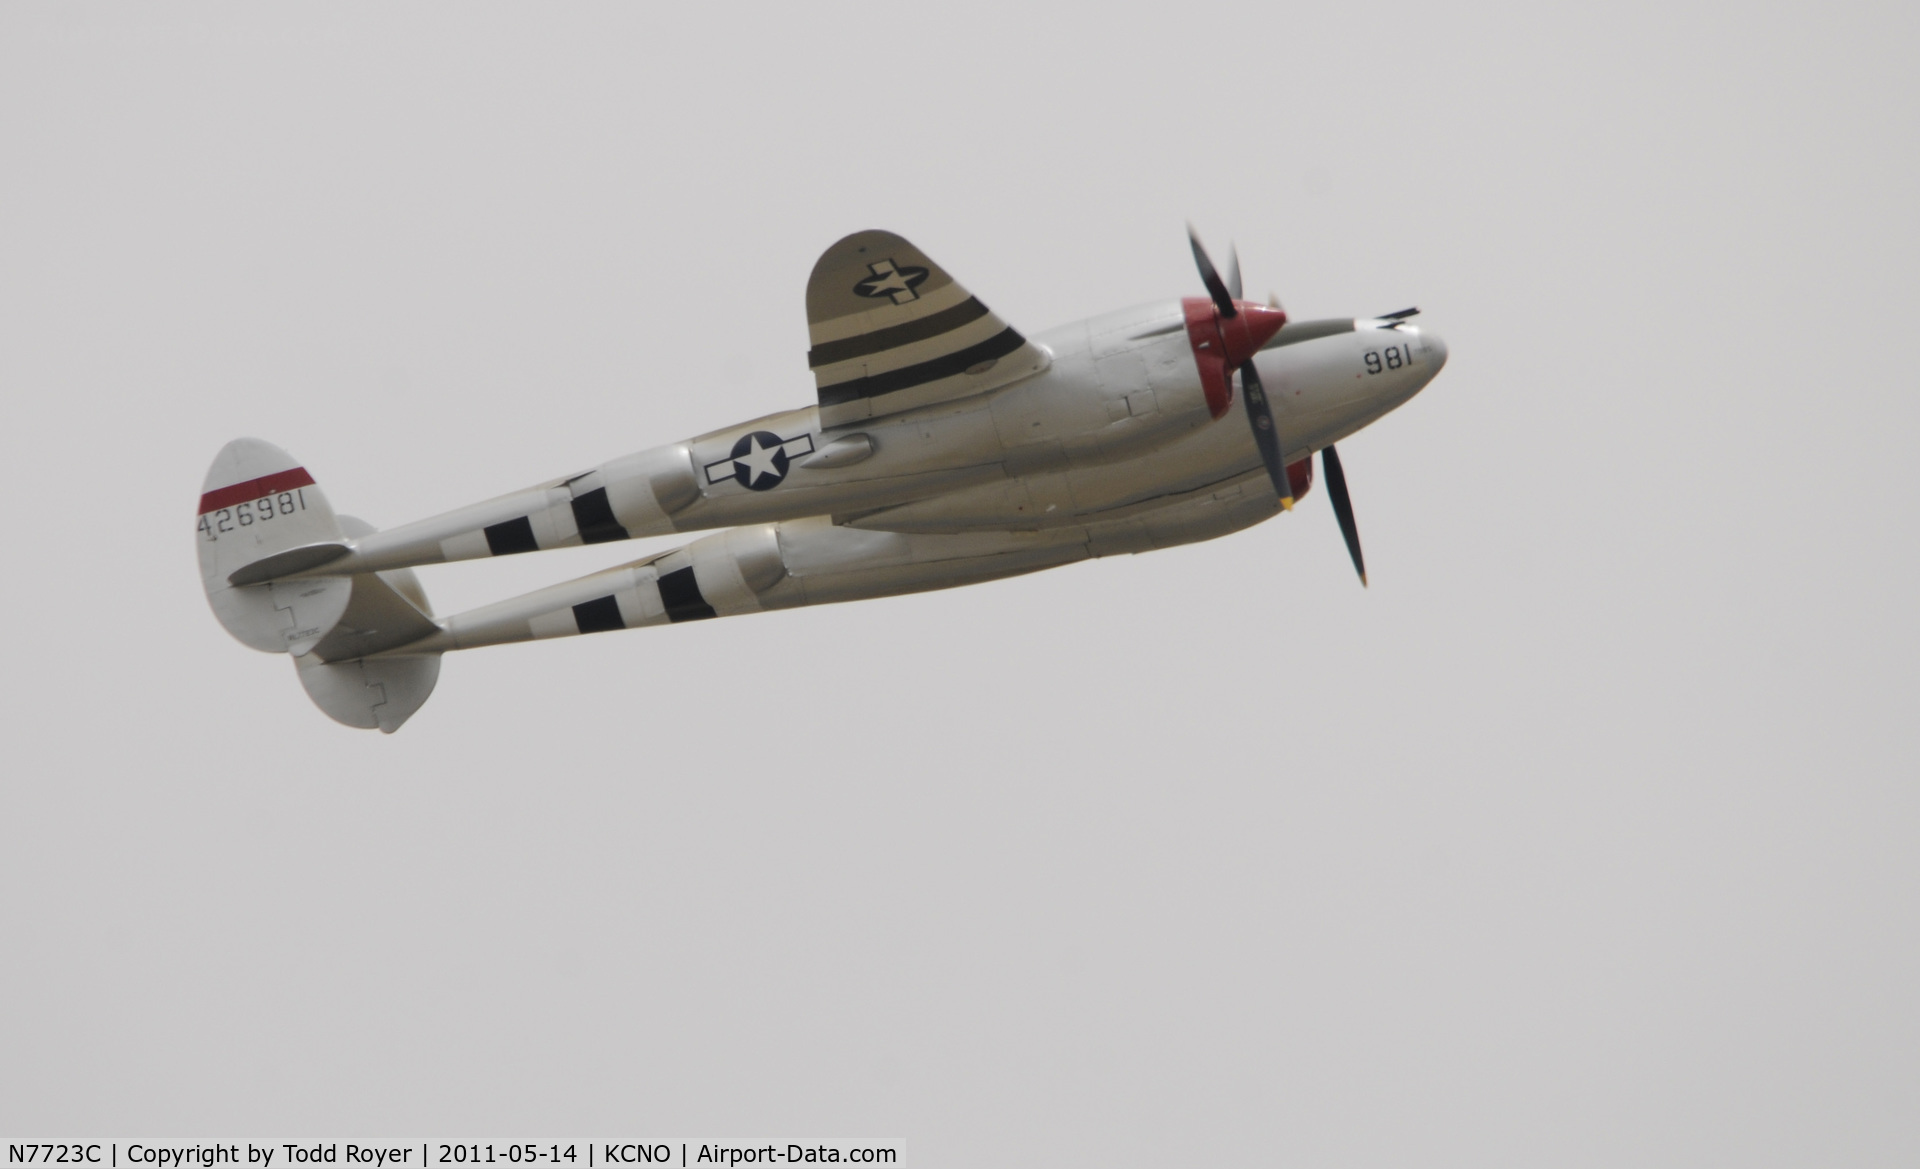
x=378, y=618
x=387, y=610
x=301, y=559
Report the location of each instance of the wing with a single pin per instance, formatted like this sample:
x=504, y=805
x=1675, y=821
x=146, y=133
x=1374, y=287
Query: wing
x=892, y=331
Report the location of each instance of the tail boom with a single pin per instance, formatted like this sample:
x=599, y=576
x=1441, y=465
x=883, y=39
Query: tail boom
x=624, y=499
x=750, y=570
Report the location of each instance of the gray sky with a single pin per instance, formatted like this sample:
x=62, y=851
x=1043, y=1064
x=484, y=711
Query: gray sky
x=1584, y=837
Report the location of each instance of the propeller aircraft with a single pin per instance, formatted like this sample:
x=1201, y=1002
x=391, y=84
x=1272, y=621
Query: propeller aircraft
x=945, y=448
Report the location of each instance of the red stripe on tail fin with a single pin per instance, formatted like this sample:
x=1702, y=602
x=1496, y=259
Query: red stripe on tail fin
x=255, y=488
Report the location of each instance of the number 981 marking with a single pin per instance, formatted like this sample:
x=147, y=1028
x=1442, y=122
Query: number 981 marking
x=1392, y=357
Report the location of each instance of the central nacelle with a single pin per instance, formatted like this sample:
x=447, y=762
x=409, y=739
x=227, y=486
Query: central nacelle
x=1120, y=384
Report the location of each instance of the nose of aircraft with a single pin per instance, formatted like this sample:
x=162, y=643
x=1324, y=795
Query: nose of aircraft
x=1380, y=396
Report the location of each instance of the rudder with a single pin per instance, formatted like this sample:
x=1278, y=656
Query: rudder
x=258, y=504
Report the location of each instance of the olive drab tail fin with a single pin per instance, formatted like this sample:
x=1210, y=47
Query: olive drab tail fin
x=892, y=331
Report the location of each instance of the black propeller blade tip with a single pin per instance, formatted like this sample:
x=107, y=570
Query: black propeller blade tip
x=1216, y=288
x=1343, y=509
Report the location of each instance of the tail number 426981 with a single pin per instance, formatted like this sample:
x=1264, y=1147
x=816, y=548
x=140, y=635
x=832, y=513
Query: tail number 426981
x=215, y=524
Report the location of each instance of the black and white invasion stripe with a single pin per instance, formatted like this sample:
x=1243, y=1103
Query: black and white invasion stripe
x=936, y=355
x=680, y=596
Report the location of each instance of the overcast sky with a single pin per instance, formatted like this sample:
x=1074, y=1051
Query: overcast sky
x=1586, y=836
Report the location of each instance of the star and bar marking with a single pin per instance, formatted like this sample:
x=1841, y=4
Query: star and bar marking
x=760, y=460
x=890, y=280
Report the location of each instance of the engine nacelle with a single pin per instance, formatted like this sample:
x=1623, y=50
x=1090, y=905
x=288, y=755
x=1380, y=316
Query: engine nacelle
x=1300, y=476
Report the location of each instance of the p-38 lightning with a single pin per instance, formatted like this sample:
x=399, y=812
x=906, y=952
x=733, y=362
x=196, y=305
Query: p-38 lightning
x=946, y=448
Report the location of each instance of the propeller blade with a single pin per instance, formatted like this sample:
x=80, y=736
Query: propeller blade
x=1266, y=435
x=1215, y=287
x=1343, y=509
x=1233, y=272
x=1402, y=315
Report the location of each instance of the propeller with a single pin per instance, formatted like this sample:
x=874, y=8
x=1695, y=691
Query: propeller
x=1238, y=344
x=1225, y=294
x=1265, y=434
x=1216, y=288
x=1343, y=508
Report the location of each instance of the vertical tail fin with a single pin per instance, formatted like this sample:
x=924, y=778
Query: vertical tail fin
x=259, y=506
x=382, y=693
x=263, y=517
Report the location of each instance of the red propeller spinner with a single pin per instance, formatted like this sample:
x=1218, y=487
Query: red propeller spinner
x=1223, y=343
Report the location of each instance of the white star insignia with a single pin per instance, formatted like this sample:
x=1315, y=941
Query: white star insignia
x=759, y=460
x=889, y=281
x=894, y=282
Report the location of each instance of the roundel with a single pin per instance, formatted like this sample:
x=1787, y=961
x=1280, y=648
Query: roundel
x=760, y=460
